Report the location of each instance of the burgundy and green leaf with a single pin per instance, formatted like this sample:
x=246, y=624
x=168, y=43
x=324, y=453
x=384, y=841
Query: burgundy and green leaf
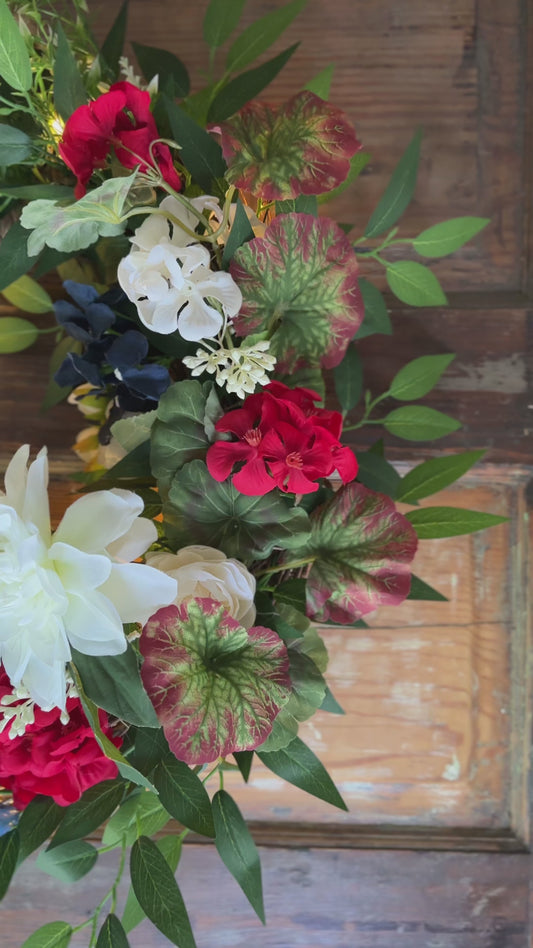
x=299, y=284
x=215, y=686
x=363, y=548
x=304, y=147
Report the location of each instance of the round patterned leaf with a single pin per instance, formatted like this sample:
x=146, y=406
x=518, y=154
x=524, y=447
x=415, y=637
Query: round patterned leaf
x=299, y=283
x=216, y=687
x=363, y=549
x=302, y=148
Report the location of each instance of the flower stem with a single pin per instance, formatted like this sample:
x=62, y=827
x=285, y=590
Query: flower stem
x=294, y=564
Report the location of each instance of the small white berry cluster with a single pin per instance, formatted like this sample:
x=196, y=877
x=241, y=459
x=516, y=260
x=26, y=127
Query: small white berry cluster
x=238, y=370
x=18, y=709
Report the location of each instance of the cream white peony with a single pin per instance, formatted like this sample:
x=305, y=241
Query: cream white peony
x=205, y=573
x=75, y=587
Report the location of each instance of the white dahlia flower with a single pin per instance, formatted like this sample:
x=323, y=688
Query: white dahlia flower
x=75, y=587
x=202, y=572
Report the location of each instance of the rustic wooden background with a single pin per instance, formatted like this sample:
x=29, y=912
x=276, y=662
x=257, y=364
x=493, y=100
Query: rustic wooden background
x=434, y=750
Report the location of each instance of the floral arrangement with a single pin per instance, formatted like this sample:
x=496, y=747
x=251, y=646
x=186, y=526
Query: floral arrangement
x=167, y=629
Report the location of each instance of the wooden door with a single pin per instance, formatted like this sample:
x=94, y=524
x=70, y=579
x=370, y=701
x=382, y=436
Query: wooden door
x=432, y=755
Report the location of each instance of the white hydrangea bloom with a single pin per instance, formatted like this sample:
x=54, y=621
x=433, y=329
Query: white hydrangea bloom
x=238, y=370
x=75, y=587
x=203, y=572
x=167, y=275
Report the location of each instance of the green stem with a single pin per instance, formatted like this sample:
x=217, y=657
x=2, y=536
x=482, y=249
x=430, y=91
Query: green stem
x=294, y=564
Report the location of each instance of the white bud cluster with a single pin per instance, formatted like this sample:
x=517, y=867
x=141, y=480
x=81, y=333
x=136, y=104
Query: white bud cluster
x=18, y=709
x=238, y=370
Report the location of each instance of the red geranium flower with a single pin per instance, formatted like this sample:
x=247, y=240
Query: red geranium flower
x=53, y=759
x=119, y=119
x=284, y=442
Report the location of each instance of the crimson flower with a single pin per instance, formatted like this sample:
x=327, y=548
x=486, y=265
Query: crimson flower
x=283, y=441
x=119, y=119
x=53, y=759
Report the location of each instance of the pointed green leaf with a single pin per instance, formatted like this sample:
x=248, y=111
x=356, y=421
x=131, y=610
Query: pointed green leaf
x=399, y=191
x=298, y=765
x=246, y=86
x=376, y=318
x=16, y=334
x=37, y=822
x=414, y=284
x=447, y=237
x=423, y=591
x=237, y=850
x=68, y=862
x=69, y=90
x=330, y=704
x=15, y=67
x=184, y=795
x=433, y=522
x=241, y=232
x=28, y=192
x=419, y=423
x=348, y=377
x=51, y=935
x=158, y=893
x=173, y=76
x=28, y=295
x=113, y=44
x=292, y=593
x=261, y=34
x=112, y=934
x=140, y=814
x=321, y=83
x=114, y=683
x=200, y=153
x=221, y=19
x=244, y=760
x=15, y=145
x=434, y=475
x=170, y=847
x=418, y=377
x=377, y=473
x=89, y=812
x=150, y=747
x=178, y=434
x=9, y=850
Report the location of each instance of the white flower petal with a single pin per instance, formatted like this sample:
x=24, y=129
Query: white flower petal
x=198, y=320
x=46, y=684
x=94, y=625
x=134, y=542
x=15, y=478
x=97, y=519
x=77, y=570
x=138, y=591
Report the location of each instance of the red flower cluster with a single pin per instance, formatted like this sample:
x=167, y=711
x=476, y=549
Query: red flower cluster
x=53, y=759
x=119, y=119
x=284, y=441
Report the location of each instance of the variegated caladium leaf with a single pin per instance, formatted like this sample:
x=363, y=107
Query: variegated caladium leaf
x=362, y=548
x=304, y=147
x=215, y=686
x=299, y=284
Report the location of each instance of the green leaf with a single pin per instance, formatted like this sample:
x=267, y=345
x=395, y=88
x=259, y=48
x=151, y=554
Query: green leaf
x=68, y=862
x=330, y=704
x=419, y=423
x=398, y=192
x=433, y=522
x=200, y=153
x=348, y=377
x=15, y=66
x=178, y=434
x=241, y=232
x=37, y=822
x=414, y=284
x=434, y=475
x=221, y=19
x=113, y=44
x=112, y=934
x=28, y=192
x=377, y=473
x=418, y=377
x=51, y=935
x=257, y=37
x=184, y=795
x=321, y=84
x=16, y=334
x=292, y=593
x=9, y=850
x=298, y=765
x=358, y=163
x=158, y=893
x=28, y=295
x=140, y=814
x=173, y=76
x=376, y=318
x=93, y=808
x=423, y=591
x=170, y=847
x=237, y=850
x=447, y=237
x=150, y=747
x=246, y=86
x=244, y=760
x=69, y=90
x=114, y=683
x=15, y=145
x=202, y=510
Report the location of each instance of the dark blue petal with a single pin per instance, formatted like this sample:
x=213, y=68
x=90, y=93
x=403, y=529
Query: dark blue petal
x=149, y=380
x=75, y=369
x=81, y=293
x=99, y=317
x=127, y=350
